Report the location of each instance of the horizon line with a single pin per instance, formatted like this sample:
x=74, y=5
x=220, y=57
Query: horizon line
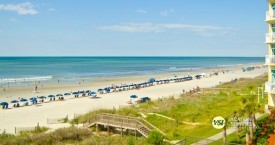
x=125, y=56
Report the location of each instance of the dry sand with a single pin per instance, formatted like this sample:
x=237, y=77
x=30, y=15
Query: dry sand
x=31, y=115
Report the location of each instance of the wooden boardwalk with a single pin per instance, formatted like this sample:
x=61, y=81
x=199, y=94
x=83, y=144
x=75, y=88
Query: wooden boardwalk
x=122, y=122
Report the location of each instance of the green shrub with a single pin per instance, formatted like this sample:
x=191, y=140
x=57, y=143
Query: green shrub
x=155, y=138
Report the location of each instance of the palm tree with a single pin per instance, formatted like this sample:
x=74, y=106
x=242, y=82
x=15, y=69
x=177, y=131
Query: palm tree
x=236, y=117
x=227, y=124
x=250, y=108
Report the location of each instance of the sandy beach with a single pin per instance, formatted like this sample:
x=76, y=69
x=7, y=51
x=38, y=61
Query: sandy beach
x=31, y=115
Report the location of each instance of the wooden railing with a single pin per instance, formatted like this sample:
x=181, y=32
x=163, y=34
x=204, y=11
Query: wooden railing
x=115, y=120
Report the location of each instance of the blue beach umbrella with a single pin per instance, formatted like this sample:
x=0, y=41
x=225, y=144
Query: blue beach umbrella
x=75, y=93
x=151, y=80
x=51, y=96
x=41, y=97
x=93, y=93
x=81, y=92
x=133, y=96
x=4, y=104
x=14, y=101
x=67, y=94
x=23, y=100
x=88, y=91
x=33, y=98
x=59, y=95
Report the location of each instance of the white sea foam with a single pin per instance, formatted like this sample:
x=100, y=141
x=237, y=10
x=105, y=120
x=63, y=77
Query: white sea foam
x=26, y=79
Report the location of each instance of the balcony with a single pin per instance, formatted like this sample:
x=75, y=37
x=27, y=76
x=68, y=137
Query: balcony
x=270, y=60
x=270, y=17
x=270, y=38
x=270, y=87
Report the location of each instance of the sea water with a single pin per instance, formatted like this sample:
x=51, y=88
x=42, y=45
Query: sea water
x=19, y=70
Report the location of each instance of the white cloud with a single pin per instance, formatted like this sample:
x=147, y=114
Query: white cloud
x=167, y=12
x=25, y=8
x=204, y=30
x=141, y=11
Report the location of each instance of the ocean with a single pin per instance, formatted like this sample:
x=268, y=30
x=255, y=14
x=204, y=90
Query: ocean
x=20, y=70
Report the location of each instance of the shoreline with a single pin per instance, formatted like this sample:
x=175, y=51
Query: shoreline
x=45, y=89
x=52, y=79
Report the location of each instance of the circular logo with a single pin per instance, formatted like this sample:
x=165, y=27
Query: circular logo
x=218, y=122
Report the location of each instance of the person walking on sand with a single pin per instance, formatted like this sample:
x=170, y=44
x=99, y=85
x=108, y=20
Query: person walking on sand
x=35, y=89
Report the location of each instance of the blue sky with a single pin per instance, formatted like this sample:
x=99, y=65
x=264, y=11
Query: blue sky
x=132, y=28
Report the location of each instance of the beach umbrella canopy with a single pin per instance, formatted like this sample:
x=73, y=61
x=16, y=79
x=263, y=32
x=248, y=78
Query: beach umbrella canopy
x=23, y=100
x=4, y=103
x=33, y=98
x=81, y=92
x=14, y=101
x=93, y=93
x=51, y=96
x=151, y=80
x=67, y=94
x=41, y=97
x=75, y=93
x=88, y=91
x=58, y=95
x=133, y=96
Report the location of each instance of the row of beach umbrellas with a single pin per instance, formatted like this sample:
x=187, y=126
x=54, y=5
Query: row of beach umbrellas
x=34, y=99
x=149, y=82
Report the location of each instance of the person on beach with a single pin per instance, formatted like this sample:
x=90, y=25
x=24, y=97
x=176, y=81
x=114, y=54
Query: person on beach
x=35, y=89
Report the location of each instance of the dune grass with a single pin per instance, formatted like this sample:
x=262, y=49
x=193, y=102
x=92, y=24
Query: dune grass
x=192, y=114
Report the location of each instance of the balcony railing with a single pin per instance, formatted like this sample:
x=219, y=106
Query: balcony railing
x=270, y=16
x=270, y=37
x=270, y=59
x=269, y=87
